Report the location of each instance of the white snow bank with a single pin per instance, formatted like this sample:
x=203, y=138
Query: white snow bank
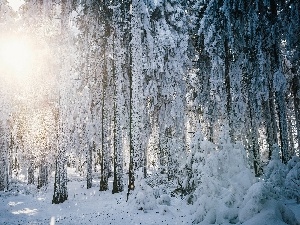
x=274, y=213
x=223, y=190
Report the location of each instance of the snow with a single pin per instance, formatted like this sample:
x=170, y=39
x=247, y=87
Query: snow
x=276, y=214
x=31, y=206
x=84, y=207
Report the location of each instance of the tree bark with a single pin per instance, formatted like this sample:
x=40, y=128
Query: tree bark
x=89, y=159
x=43, y=175
x=296, y=95
x=284, y=141
x=30, y=173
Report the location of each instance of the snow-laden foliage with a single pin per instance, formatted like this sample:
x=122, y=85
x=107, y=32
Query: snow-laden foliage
x=143, y=196
x=276, y=171
x=221, y=187
x=284, y=179
x=255, y=199
x=292, y=181
x=217, y=178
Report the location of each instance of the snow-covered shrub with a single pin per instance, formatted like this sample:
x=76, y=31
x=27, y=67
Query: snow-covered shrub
x=219, y=177
x=192, y=169
x=17, y=187
x=159, y=184
x=292, y=162
x=255, y=199
x=276, y=171
x=286, y=214
x=292, y=182
x=164, y=200
x=157, y=179
x=142, y=197
x=285, y=179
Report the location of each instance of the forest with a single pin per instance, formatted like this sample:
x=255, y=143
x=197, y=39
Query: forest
x=157, y=101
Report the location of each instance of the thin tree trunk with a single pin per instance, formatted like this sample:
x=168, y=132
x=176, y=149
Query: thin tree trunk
x=270, y=123
x=279, y=94
x=60, y=184
x=273, y=122
x=296, y=95
x=3, y=166
x=43, y=175
x=280, y=99
x=228, y=88
x=30, y=173
x=254, y=138
x=103, y=161
x=89, y=160
x=127, y=14
x=131, y=150
x=117, y=161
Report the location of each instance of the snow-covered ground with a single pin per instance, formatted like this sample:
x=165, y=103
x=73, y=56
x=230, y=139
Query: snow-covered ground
x=94, y=207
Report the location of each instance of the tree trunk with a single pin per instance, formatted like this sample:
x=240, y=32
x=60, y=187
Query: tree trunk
x=296, y=95
x=273, y=121
x=60, y=183
x=3, y=166
x=104, y=155
x=30, y=173
x=270, y=122
x=117, y=139
x=43, y=175
x=131, y=148
x=127, y=41
x=104, y=161
x=228, y=88
x=89, y=160
x=253, y=133
x=284, y=141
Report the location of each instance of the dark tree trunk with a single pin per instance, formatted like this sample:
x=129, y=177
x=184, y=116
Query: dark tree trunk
x=60, y=183
x=279, y=94
x=284, y=142
x=117, y=161
x=104, y=156
x=252, y=130
x=89, y=160
x=273, y=121
x=131, y=150
x=127, y=18
x=228, y=88
x=43, y=175
x=270, y=120
x=115, y=156
x=253, y=133
x=296, y=95
x=104, y=160
x=30, y=173
x=163, y=142
x=3, y=167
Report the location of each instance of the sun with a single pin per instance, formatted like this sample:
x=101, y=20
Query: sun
x=16, y=56
x=15, y=4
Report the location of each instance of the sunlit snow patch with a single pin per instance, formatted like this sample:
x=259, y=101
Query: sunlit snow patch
x=27, y=211
x=15, y=203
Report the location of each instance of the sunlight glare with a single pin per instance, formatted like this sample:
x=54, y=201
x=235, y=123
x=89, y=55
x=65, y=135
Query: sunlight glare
x=15, y=4
x=16, y=56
